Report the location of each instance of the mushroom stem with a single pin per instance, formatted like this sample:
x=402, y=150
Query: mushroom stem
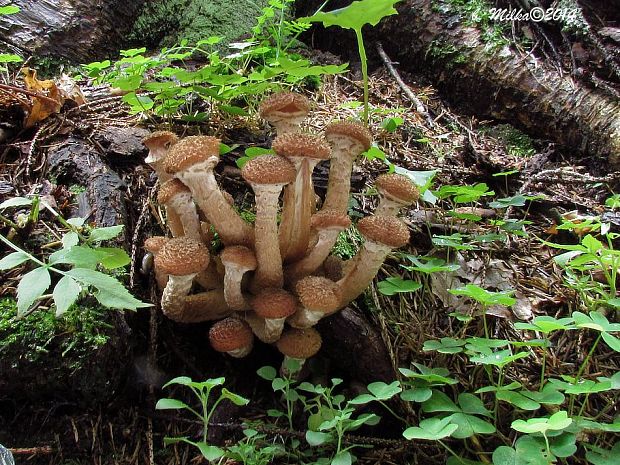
x=173, y=297
x=305, y=318
x=316, y=257
x=387, y=207
x=366, y=264
x=210, y=278
x=182, y=206
x=339, y=183
x=227, y=222
x=204, y=306
x=232, y=290
x=268, y=330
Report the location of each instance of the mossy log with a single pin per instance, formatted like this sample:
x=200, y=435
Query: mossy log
x=492, y=80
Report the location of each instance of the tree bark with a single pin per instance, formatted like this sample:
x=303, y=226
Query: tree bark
x=428, y=36
x=75, y=30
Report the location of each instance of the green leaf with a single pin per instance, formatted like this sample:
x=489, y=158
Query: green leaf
x=556, y=422
x=170, y=404
x=113, y=257
x=15, y=202
x=80, y=256
x=32, y=286
x=362, y=399
x=110, y=293
x=13, y=259
x=599, y=456
x=468, y=425
x=483, y=296
x=392, y=123
x=419, y=395
x=65, y=293
x=446, y=345
x=234, y=110
x=472, y=404
x=342, y=458
x=10, y=58
x=612, y=341
x=105, y=234
x=70, y=239
x=429, y=265
x=384, y=391
x=210, y=453
x=9, y=10
x=267, y=372
x=505, y=455
x=439, y=402
x=517, y=399
x=431, y=429
x=395, y=285
x=356, y=15
x=317, y=438
x=234, y=398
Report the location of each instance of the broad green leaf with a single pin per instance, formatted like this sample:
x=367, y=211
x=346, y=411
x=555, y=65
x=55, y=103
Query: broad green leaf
x=612, y=341
x=384, y=391
x=210, y=453
x=472, y=404
x=505, y=455
x=234, y=110
x=110, y=293
x=9, y=10
x=70, y=239
x=342, y=458
x=10, y=58
x=32, y=286
x=105, y=234
x=431, y=429
x=547, y=324
x=446, y=345
x=499, y=358
x=65, y=293
x=356, y=15
x=429, y=265
x=362, y=399
x=483, y=296
x=170, y=404
x=439, y=402
x=267, y=372
x=395, y=285
x=599, y=456
x=234, y=398
x=517, y=399
x=80, y=256
x=468, y=425
x=556, y=422
x=113, y=257
x=419, y=395
x=15, y=202
x=317, y=438
x=563, y=445
x=392, y=123
x=13, y=259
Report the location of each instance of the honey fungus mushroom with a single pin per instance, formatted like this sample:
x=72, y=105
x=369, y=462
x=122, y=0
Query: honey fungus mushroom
x=153, y=245
x=382, y=234
x=232, y=336
x=298, y=345
x=158, y=143
x=396, y=191
x=181, y=258
x=177, y=198
x=192, y=160
x=285, y=111
x=319, y=297
x=272, y=306
x=237, y=260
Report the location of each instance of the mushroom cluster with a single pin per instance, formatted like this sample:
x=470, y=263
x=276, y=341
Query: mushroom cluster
x=275, y=279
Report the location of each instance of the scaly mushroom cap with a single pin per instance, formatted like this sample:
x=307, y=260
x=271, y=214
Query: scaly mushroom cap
x=189, y=151
x=169, y=189
x=240, y=256
x=318, y=293
x=284, y=103
x=299, y=144
x=272, y=303
x=299, y=343
x=384, y=230
x=155, y=243
x=158, y=139
x=351, y=130
x=230, y=334
x=330, y=219
x=398, y=188
x=182, y=256
x=268, y=169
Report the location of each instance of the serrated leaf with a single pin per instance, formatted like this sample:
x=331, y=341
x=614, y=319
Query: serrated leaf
x=32, y=286
x=110, y=293
x=65, y=293
x=13, y=259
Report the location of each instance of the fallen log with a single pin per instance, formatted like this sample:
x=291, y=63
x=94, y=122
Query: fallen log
x=430, y=37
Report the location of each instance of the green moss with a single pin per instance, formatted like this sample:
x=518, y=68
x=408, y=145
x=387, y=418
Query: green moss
x=27, y=340
x=516, y=142
x=166, y=22
x=347, y=244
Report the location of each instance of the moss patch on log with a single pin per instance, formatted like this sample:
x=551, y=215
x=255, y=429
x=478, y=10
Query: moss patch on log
x=166, y=22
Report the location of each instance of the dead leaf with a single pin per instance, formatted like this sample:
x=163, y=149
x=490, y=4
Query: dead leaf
x=47, y=103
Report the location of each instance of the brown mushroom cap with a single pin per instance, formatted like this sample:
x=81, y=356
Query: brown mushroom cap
x=182, y=256
x=384, y=230
x=318, y=293
x=274, y=303
x=330, y=219
x=230, y=334
x=297, y=144
x=284, y=102
x=169, y=189
x=240, y=256
x=397, y=187
x=299, y=343
x=155, y=243
x=160, y=138
x=268, y=169
x=351, y=129
x=189, y=151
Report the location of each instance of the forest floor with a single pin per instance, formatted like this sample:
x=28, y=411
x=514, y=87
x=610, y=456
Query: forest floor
x=117, y=423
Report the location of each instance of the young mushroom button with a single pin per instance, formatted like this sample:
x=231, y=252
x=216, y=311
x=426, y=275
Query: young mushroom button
x=267, y=175
x=232, y=336
x=381, y=234
x=298, y=345
x=181, y=258
x=396, y=191
x=273, y=306
x=319, y=297
x=348, y=140
x=285, y=111
x=192, y=160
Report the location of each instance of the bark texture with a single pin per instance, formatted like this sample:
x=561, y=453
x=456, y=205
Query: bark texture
x=429, y=36
x=76, y=30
